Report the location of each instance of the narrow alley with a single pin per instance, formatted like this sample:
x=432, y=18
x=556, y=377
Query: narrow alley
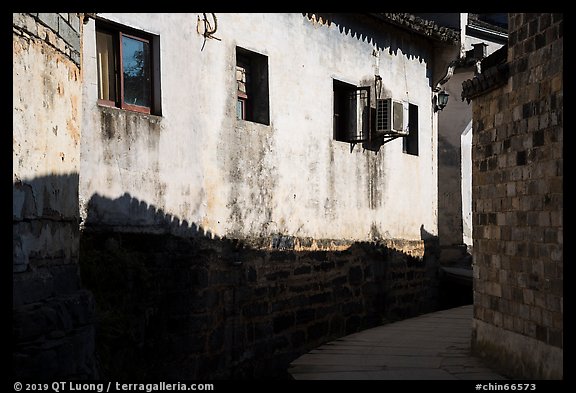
x=431, y=346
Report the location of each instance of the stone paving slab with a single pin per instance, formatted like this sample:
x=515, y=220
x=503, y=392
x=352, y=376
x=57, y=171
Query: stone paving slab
x=431, y=346
x=391, y=374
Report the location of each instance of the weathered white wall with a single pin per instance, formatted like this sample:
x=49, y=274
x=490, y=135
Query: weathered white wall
x=452, y=122
x=490, y=48
x=235, y=178
x=52, y=330
x=45, y=144
x=454, y=165
x=466, y=151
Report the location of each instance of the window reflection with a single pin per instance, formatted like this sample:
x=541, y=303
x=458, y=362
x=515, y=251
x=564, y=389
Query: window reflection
x=136, y=69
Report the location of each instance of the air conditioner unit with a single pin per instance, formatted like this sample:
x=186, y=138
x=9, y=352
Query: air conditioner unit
x=391, y=117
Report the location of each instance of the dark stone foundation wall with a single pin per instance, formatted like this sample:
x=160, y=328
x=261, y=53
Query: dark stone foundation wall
x=198, y=307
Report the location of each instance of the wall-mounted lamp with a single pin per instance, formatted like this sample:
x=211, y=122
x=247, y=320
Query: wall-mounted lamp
x=440, y=100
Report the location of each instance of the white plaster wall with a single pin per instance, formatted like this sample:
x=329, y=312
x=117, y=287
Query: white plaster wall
x=490, y=48
x=244, y=179
x=452, y=121
x=45, y=125
x=45, y=151
x=453, y=124
x=466, y=155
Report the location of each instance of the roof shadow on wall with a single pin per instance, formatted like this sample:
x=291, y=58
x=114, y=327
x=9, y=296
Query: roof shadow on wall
x=159, y=288
x=165, y=301
x=386, y=36
x=129, y=214
x=44, y=212
x=50, y=197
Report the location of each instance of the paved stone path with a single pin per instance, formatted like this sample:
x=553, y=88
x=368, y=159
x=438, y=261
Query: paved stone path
x=430, y=346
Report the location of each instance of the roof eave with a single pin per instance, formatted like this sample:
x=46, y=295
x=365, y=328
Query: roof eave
x=422, y=27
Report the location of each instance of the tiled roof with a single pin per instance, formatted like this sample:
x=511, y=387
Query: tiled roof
x=494, y=74
x=475, y=20
x=421, y=26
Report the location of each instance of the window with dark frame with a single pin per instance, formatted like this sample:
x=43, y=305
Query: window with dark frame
x=352, y=113
x=252, y=102
x=410, y=142
x=128, y=69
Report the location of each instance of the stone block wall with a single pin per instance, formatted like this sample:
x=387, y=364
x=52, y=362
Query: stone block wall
x=59, y=31
x=518, y=203
x=200, y=306
x=52, y=330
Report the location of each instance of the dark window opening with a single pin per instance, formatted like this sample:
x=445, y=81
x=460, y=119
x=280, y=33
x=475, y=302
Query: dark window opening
x=252, y=87
x=352, y=114
x=128, y=64
x=410, y=142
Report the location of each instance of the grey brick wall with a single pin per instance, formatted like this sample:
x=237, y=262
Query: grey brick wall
x=60, y=30
x=186, y=309
x=517, y=186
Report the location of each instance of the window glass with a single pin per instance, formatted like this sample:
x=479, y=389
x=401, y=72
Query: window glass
x=106, y=68
x=136, y=69
x=240, y=110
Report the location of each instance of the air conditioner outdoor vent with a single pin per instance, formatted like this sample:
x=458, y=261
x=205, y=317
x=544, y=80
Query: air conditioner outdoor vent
x=391, y=117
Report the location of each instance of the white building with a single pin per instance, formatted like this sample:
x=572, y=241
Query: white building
x=277, y=160
x=480, y=35
x=236, y=188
